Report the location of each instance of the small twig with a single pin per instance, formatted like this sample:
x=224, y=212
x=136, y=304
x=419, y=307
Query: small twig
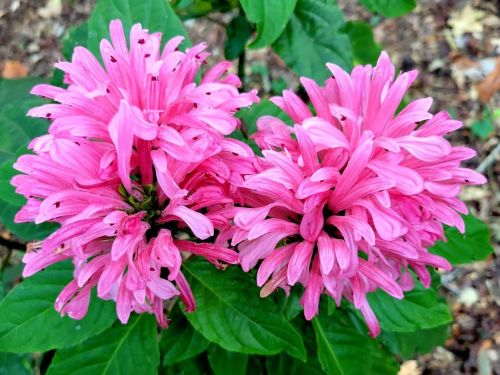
x=215, y=20
x=46, y=360
x=490, y=159
x=5, y=261
x=448, y=278
x=12, y=244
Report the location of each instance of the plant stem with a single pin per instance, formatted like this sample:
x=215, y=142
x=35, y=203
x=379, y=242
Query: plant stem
x=46, y=360
x=12, y=244
x=241, y=68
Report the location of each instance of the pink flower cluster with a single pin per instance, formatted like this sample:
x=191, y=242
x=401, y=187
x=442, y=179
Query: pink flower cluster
x=349, y=199
x=136, y=169
x=139, y=172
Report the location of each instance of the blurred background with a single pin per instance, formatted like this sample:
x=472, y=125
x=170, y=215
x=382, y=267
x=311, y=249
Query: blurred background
x=455, y=45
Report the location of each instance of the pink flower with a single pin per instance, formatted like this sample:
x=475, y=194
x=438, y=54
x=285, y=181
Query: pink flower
x=136, y=169
x=348, y=200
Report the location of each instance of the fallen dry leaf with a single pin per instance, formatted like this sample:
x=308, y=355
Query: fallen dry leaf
x=52, y=9
x=483, y=359
x=14, y=69
x=490, y=84
x=409, y=368
x=468, y=20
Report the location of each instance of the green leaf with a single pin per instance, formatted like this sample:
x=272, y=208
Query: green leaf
x=283, y=364
x=121, y=350
x=339, y=347
x=11, y=202
x=237, y=33
x=75, y=36
x=180, y=342
x=7, y=191
x=11, y=274
x=25, y=231
x=270, y=16
x=223, y=362
x=193, y=366
x=343, y=350
x=289, y=305
x=197, y=8
x=153, y=15
x=420, y=309
x=231, y=314
x=286, y=365
x=312, y=38
x=17, y=131
x=16, y=91
x=472, y=246
x=482, y=128
x=389, y=8
x=408, y=344
x=14, y=364
x=495, y=114
x=250, y=115
x=383, y=363
x=29, y=323
x=364, y=47
x=16, y=128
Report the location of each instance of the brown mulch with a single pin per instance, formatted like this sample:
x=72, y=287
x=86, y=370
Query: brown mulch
x=456, y=46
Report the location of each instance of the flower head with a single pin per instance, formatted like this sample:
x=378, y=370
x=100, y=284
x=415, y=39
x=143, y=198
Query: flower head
x=349, y=199
x=136, y=169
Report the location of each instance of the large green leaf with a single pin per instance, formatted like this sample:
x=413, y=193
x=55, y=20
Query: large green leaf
x=408, y=344
x=390, y=8
x=17, y=130
x=420, y=309
x=312, y=38
x=231, y=313
x=270, y=16
x=339, y=347
x=344, y=350
x=29, y=323
x=364, y=48
x=153, y=15
x=223, y=362
x=180, y=342
x=197, y=8
x=473, y=245
x=121, y=350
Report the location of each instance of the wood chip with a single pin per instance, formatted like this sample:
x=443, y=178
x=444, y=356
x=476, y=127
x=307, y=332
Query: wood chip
x=14, y=69
x=490, y=84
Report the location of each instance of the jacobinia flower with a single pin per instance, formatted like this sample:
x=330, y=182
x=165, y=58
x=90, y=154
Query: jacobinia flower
x=136, y=169
x=348, y=200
